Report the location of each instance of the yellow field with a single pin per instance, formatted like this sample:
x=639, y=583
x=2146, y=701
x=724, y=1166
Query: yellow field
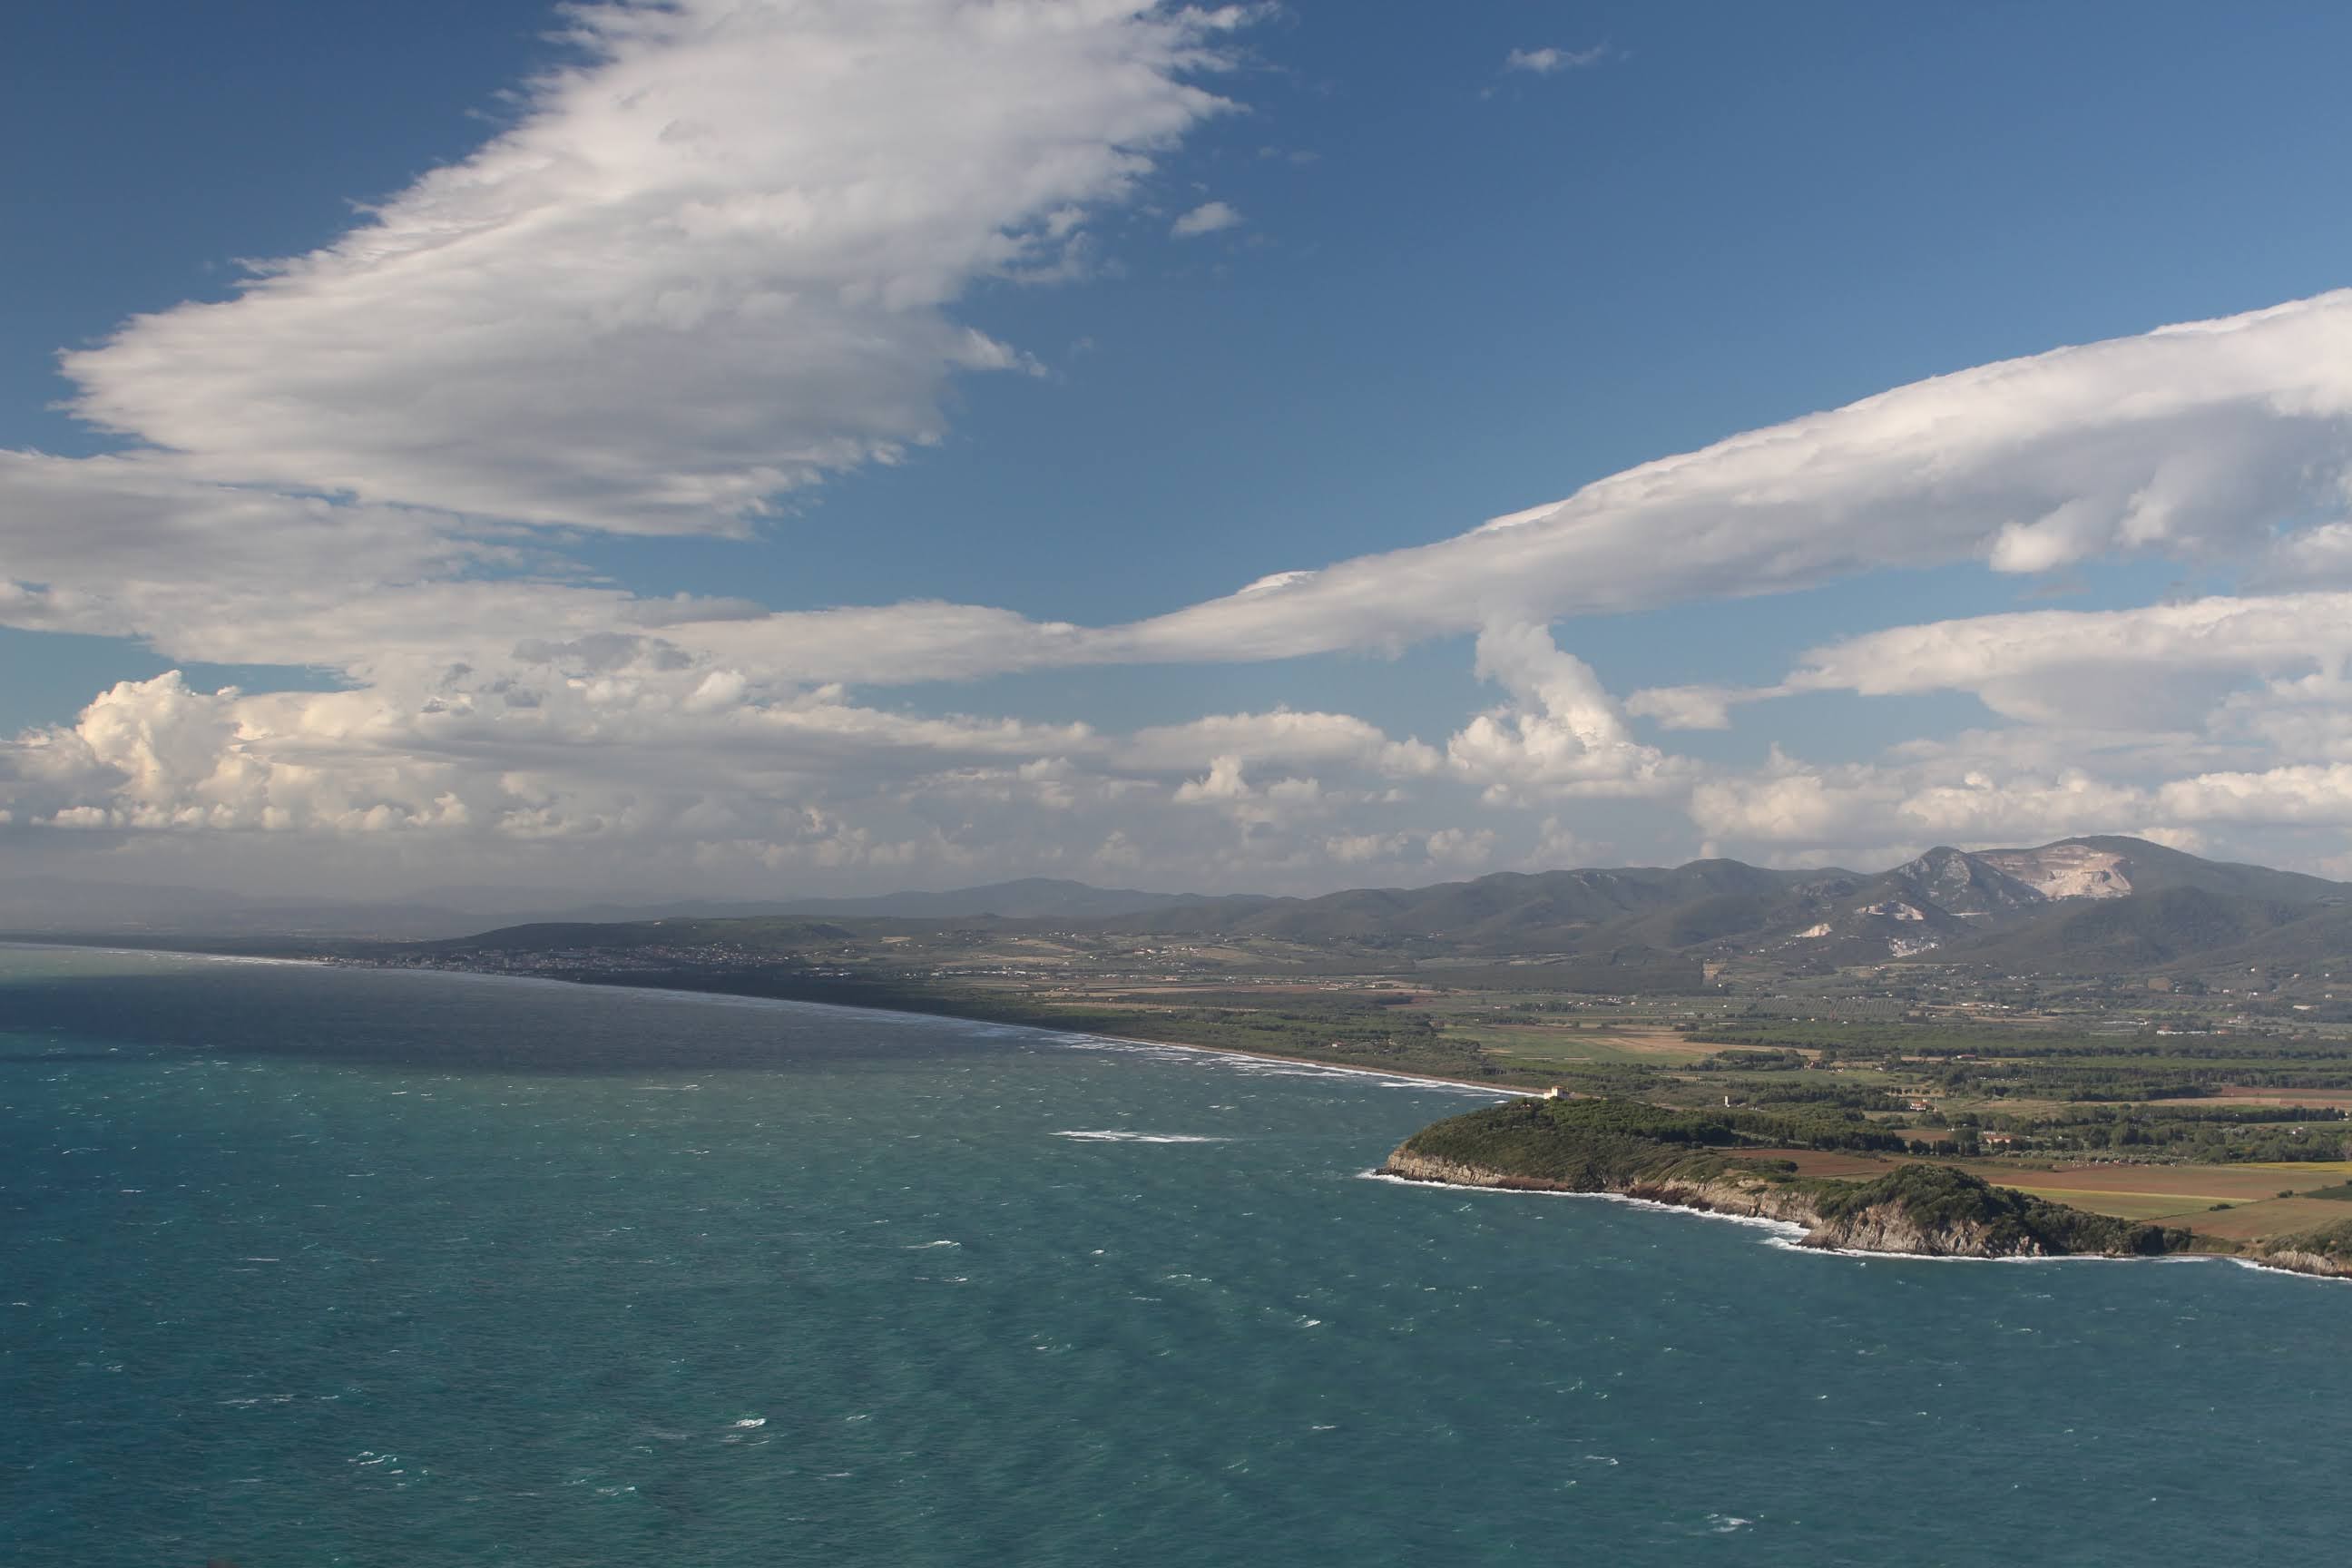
x=2276, y=1216
x=2133, y=1206
x=1535, y=1045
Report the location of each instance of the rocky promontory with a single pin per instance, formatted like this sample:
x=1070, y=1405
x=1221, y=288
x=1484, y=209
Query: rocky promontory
x=2326, y=1251
x=1694, y=1160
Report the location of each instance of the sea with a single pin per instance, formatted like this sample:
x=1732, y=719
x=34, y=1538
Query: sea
x=304, y=1264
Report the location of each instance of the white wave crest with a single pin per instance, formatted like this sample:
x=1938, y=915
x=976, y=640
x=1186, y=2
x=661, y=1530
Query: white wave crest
x=1114, y=1136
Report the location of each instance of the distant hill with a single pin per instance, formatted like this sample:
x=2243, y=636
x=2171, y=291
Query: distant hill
x=2092, y=905
x=47, y=905
x=1029, y=898
x=1508, y=912
x=2096, y=904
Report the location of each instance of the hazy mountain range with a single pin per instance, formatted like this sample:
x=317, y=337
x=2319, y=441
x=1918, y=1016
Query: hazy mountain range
x=45, y=905
x=2080, y=905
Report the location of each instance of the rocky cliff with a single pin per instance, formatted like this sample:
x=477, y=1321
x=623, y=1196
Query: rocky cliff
x=1925, y=1209
x=1888, y=1225
x=2326, y=1252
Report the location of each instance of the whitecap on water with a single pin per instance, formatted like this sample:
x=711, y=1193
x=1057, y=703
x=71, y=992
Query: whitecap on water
x=1114, y=1136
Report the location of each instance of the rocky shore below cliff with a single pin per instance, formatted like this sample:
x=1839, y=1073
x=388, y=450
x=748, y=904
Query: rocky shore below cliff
x=2326, y=1252
x=1701, y=1161
x=1891, y=1223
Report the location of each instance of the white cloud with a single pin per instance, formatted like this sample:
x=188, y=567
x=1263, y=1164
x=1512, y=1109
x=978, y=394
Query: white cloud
x=2301, y=794
x=1548, y=61
x=1209, y=217
x=2154, y=665
x=1226, y=788
x=710, y=263
x=2199, y=441
x=1690, y=707
x=1460, y=848
x=1366, y=848
x=1872, y=813
x=1284, y=736
x=1560, y=735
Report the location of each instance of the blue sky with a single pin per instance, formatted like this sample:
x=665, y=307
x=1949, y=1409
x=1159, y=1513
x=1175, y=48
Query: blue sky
x=1455, y=288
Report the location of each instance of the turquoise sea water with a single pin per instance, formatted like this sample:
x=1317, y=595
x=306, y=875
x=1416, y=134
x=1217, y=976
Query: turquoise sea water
x=303, y=1266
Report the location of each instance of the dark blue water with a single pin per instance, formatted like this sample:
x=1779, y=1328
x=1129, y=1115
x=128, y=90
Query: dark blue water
x=303, y=1266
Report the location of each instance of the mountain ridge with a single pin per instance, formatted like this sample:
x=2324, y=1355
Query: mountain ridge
x=2092, y=904
x=2095, y=903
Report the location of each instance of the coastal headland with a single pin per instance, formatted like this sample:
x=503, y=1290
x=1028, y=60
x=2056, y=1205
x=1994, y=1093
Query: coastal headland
x=1730, y=1164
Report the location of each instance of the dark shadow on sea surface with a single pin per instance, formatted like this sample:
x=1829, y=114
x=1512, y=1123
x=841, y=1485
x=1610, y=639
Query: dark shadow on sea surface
x=37, y=1058
x=448, y=1023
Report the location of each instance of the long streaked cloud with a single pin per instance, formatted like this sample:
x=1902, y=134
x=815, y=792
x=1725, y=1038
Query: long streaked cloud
x=2102, y=669
x=712, y=261
x=2194, y=440
x=2198, y=441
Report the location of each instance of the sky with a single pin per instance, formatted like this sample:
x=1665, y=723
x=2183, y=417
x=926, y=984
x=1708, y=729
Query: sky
x=748, y=448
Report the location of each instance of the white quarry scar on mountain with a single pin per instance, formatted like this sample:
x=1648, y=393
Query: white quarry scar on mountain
x=2063, y=870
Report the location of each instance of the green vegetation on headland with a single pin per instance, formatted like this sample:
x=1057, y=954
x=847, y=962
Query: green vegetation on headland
x=1695, y=1161
x=2329, y=1245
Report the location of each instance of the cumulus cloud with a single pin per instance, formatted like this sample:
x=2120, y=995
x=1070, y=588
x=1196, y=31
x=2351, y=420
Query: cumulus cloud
x=1560, y=735
x=1209, y=217
x=712, y=260
x=1226, y=788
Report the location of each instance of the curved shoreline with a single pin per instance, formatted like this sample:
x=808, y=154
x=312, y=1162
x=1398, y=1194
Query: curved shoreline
x=1402, y=1076
x=1789, y=1233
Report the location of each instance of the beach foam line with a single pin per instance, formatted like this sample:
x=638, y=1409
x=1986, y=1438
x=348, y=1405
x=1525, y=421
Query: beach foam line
x=1788, y=1233
x=18, y=944
x=1270, y=1067
x=1780, y=1227
x=1951, y=1257
x=2275, y=1269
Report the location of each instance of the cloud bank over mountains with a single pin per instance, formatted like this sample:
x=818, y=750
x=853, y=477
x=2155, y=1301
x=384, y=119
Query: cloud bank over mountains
x=719, y=257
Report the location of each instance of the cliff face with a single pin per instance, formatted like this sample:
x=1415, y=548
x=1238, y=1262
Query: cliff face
x=1888, y=1227
x=2298, y=1261
x=1694, y=1160
x=1703, y=1160
x=2326, y=1251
